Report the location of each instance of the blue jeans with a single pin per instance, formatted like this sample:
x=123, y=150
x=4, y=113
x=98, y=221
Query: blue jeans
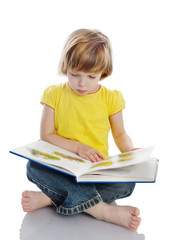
x=70, y=197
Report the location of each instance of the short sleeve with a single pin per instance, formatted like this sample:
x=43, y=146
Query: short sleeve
x=116, y=102
x=49, y=96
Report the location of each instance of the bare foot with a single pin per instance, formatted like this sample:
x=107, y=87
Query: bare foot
x=125, y=216
x=32, y=201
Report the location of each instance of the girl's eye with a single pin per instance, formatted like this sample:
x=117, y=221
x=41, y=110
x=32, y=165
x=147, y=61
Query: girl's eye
x=92, y=77
x=74, y=75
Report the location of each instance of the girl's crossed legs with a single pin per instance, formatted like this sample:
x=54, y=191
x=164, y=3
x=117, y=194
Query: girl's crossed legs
x=69, y=197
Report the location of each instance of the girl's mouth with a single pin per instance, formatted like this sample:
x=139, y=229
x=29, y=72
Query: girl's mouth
x=82, y=91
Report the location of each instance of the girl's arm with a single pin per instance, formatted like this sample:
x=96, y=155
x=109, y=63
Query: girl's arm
x=48, y=134
x=122, y=140
x=47, y=131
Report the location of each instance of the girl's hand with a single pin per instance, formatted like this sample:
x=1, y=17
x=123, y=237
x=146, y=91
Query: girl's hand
x=89, y=153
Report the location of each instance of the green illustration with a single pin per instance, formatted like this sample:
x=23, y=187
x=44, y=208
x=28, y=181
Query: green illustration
x=127, y=154
x=53, y=156
x=108, y=158
x=108, y=163
x=69, y=157
x=36, y=152
x=125, y=159
x=121, y=157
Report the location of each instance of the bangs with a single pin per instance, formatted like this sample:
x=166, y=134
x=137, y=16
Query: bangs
x=91, y=59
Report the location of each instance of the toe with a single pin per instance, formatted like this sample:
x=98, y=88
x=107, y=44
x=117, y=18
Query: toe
x=25, y=194
x=134, y=223
x=133, y=227
x=135, y=211
x=136, y=219
x=26, y=209
x=25, y=200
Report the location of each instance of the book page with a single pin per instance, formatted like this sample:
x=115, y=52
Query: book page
x=145, y=170
x=123, y=159
x=44, y=152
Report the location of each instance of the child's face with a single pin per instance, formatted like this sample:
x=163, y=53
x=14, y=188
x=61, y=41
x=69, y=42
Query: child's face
x=83, y=83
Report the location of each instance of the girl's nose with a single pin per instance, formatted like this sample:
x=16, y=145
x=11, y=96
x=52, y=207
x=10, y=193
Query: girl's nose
x=82, y=81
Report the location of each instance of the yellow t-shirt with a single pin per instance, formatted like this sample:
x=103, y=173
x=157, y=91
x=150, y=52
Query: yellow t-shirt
x=83, y=118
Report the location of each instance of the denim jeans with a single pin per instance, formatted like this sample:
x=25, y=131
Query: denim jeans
x=70, y=197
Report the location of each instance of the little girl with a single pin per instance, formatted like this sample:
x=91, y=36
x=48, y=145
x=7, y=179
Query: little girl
x=77, y=116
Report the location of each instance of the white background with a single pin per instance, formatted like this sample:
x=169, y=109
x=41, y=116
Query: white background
x=31, y=41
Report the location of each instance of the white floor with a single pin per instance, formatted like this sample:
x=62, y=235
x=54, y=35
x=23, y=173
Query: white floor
x=151, y=199
x=45, y=224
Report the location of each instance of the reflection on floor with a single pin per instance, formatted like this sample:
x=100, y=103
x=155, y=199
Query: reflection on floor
x=47, y=224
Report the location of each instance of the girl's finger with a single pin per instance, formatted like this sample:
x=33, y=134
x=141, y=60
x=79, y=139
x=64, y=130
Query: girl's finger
x=100, y=155
x=97, y=157
x=92, y=157
x=85, y=156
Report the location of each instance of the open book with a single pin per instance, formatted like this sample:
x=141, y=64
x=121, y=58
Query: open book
x=135, y=166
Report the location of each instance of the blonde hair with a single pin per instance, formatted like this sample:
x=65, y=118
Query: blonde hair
x=87, y=51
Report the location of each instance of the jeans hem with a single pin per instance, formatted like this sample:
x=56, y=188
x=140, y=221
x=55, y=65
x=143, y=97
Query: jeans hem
x=80, y=208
